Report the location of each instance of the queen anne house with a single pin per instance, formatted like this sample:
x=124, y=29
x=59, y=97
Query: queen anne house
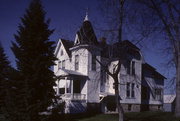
x=84, y=85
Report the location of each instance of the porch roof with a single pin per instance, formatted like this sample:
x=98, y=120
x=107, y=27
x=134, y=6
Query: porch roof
x=70, y=74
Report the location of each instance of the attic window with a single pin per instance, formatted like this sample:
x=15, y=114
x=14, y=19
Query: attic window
x=63, y=64
x=62, y=53
x=76, y=62
x=59, y=64
x=133, y=68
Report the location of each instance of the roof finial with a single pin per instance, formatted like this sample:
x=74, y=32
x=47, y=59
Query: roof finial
x=86, y=17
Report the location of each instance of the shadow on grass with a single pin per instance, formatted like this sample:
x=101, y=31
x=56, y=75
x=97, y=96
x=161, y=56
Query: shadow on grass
x=140, y=116
x=70, y=117
x=151, y=116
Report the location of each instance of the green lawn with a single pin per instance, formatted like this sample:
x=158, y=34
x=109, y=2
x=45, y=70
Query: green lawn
x=143, y=116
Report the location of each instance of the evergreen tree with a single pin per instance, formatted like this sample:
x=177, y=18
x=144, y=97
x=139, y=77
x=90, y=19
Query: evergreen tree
x=4, y=82
x=34, y=57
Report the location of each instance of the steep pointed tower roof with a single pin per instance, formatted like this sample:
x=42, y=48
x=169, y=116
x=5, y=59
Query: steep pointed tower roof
x=86, y=35
x=86, y=17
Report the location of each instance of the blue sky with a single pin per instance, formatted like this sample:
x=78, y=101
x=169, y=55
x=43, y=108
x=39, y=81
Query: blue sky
x=66, y=17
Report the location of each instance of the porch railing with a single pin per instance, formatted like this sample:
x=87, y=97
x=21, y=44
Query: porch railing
x=74, y=96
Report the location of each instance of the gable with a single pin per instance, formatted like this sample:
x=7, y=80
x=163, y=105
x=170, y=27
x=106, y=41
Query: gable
x=67, y=45
x=63, y=45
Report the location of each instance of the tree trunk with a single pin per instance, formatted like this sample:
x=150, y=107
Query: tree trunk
x=119, y=106
x=177, y=107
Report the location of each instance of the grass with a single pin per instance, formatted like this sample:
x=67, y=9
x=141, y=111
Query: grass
x=101, y=117
x=142, y=116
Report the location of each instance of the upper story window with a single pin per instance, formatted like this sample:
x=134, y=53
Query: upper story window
x=158, y=94
x=62, y=53
x=130, y=67
x=93, y=63
x=130, y=92
x=133, y=68
x=76, y=62
x=63, y=64
x=59, y=64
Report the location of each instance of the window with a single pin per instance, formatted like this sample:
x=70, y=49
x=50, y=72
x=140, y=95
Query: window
x=61, y=90
x=59, y=64
x=133, y=68
x=132, y=90
x=76, y=62
x=158, y=94
x=93, y=63
x=63, y=64
x=128, y=90
x=128, y=67
x=62, y=53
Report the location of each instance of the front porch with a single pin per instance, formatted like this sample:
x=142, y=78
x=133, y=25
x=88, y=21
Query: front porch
x=71, y=85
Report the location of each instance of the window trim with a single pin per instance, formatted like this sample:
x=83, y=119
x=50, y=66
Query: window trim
x=130, y=90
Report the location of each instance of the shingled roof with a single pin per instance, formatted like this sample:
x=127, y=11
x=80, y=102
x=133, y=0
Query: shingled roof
x=118, y=47
x=86, y=34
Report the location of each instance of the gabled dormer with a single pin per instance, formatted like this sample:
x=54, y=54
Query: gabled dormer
x=63, y=54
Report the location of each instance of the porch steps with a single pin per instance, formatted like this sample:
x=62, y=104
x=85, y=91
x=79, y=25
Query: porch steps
x=77, y=106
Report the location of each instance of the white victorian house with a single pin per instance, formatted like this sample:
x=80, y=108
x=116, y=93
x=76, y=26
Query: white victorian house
x=84, y=86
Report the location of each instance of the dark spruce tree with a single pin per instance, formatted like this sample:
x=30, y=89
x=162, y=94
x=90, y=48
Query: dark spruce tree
x=34, y=58
x=5, y=115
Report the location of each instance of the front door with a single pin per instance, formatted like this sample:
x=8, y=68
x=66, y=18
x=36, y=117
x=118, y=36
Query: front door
x=77, y=86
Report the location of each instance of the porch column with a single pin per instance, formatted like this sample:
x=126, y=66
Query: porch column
x=65, y=85
x=58, y=86
x=71, y=86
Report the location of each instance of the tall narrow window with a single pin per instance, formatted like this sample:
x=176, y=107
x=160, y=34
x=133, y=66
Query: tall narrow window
x=93, y=63
x=63, y=64
x=59, y=64
x=128, y=67
x=133, y=68
x=62, y=53
x=132, y=90
x=128, y=90
x=158, y=94
x=76, y=62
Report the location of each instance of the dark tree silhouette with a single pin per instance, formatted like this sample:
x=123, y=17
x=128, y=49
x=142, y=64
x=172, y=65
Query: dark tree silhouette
x=167, y=21
x=4, y=86
x=34, y=57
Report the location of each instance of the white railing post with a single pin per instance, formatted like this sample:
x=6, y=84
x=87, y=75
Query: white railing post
x=71, y=86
